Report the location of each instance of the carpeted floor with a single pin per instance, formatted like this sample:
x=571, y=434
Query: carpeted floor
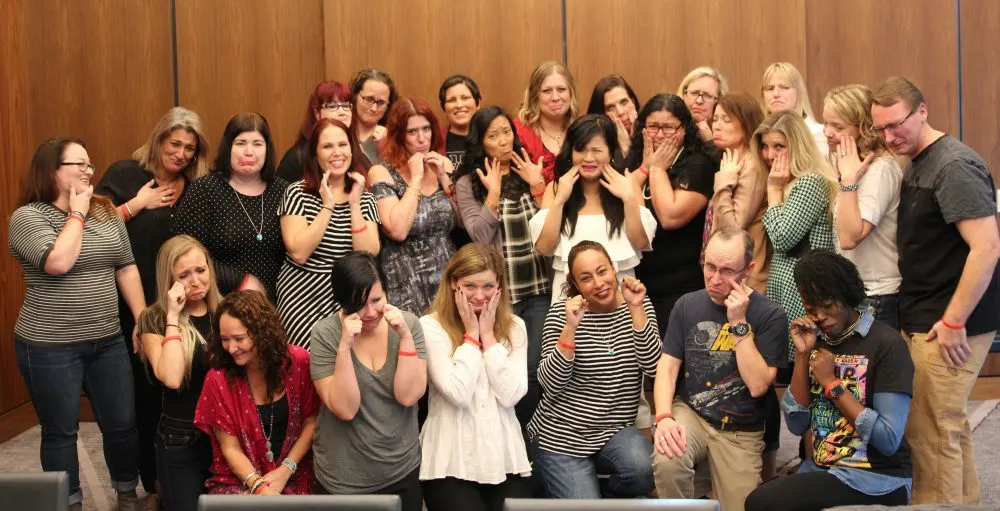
x=21, y=455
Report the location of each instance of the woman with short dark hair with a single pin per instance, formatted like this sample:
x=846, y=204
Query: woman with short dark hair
x=258, y=404
x=369, y=367
x=233, y=211
x=852, y=385
x=460, y=99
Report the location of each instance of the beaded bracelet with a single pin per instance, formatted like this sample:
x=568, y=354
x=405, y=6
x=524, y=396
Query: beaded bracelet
x=291, y=465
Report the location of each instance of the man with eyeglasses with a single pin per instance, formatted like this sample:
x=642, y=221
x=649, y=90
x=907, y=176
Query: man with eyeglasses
x=949, y=298
x=730, y=341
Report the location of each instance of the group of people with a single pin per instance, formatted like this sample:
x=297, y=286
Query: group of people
x=469, y=311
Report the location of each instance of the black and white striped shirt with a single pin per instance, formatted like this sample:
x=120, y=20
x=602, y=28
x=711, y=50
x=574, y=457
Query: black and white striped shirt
x=590, y=398
x=82, y=304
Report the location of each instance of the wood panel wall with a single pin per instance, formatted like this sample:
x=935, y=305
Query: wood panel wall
x=260, y=56
x=103, y=70
x=496, y=43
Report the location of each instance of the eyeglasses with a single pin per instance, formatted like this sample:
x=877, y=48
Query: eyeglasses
x=880, y=130
x=82, y=166
x=335, y=106
x=373, y=101
x=727, y=273
x=697, y=95
x=666, y=129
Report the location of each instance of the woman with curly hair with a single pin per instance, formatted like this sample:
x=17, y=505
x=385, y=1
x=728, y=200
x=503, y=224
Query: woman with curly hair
x=258, y=404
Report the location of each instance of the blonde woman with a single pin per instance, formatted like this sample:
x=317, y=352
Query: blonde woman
x=783, y=88
x=477, y=369
x=173, y=333
x=547, y=109
x=701, y=90
x=867, y=206
x=145, y=189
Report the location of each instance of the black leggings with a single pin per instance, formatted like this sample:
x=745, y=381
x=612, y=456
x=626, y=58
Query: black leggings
x=408, y=489
x=451, y=494
x=816, y=491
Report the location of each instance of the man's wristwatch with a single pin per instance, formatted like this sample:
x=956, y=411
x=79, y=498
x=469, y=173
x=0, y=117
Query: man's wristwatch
x=740, y=330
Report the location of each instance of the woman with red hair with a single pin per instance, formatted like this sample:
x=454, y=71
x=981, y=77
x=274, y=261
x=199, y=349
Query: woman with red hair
x=415, y=198
x=329, y=100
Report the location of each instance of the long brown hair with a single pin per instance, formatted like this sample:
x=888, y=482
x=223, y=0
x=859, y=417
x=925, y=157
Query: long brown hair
x=470, y=260
x=40, y=185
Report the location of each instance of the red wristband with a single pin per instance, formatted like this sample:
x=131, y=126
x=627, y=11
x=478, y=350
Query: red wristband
x=359, y=229
x=74, y=216
x=244, y=283
x=168, y=339
x=665, y=415
x=407, y=353
x=123, y=209
x=826, y=390
x=260, y=488
x=949, y=325
x=567, y=345
x=644, y=170
x=473, y=340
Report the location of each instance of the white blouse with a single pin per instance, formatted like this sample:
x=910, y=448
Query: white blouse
x=471, y=432
x=595, y=228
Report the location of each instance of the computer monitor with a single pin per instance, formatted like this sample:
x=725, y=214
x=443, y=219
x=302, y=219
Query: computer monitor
x=38, y=491
x=610, y=505
x=300, y=503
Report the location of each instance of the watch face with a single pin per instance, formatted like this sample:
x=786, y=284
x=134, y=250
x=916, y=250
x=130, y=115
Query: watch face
x=837, y=390
x=740, y=330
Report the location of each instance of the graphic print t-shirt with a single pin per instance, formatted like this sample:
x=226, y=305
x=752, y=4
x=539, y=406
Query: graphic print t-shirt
x=698, y=334
x=877, y=362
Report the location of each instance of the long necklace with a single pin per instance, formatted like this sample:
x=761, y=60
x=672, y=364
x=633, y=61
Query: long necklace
x=267, y=435
x=260, y=230
x=846, y=334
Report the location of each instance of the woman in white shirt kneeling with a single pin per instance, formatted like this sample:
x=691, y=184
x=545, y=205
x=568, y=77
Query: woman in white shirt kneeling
x=474, y=456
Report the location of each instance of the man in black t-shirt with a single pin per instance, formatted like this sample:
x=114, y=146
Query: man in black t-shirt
x=949, y=298
x=730, y=341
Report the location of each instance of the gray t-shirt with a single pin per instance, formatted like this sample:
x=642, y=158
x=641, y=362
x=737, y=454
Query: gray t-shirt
x=379, y=447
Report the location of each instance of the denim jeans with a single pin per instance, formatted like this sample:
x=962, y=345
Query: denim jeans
x=885, y=308
x=533, y=311
x=625, y=458
x=183, y=458
x=55, y=377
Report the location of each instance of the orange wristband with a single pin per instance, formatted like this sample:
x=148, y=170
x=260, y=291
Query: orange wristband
x=665, y=415
x=949, y=325
x=76, y=216
x=473, y=340
x=260, y=487
x=168, y=339
x=567, y=345
x=407, y=353
x=826, y=391
x=359, y=229
x=644, y=170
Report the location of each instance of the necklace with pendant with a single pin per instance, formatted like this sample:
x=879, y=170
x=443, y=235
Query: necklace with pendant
x=267, y=436
x=260, y=230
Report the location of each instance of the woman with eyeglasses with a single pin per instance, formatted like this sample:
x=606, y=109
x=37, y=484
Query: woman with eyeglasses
x=701, y=89
x=233, y=210
x=613, y=96
x=415, y=197
x=374, y=94
x=496, y=204
x=740, y=186
x=74, y=253
x=866, y=208
x=783, y=88
x=547, y=109
x=145, y=189
x=675, y=176
x=323, y=217
x=329, y=100
x=591, y=200
x=460, y=99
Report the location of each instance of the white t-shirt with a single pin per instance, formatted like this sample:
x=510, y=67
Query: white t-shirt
x=877, y=257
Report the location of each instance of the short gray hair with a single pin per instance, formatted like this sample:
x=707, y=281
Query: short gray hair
x=728, y=233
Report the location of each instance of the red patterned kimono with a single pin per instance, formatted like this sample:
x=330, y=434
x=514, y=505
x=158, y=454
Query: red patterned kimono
x=230, y=408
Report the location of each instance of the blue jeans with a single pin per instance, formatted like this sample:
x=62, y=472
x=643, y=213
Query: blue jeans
x=625, y=458
x=183, y=458
x=55, y=377
x=885, y=308
x=533, y=311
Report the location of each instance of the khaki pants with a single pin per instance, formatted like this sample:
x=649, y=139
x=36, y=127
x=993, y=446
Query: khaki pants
x=734, y=458
x=944, y=469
